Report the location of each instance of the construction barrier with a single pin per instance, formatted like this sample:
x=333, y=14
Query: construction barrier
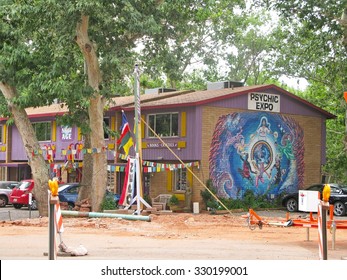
x=254, y=220
x=58, y=219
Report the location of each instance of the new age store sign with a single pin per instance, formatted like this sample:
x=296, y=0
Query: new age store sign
x=263, y=102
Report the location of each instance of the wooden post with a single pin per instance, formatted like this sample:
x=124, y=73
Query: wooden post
x=52, y=252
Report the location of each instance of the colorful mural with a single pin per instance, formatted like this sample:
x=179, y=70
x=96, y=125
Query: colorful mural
x=261, y=152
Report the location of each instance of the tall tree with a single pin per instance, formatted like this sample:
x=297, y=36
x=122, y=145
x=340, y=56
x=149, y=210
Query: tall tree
x=85, y=50
x=312, y=45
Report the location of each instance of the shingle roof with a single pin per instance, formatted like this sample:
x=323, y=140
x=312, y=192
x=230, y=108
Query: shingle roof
x=170, y=99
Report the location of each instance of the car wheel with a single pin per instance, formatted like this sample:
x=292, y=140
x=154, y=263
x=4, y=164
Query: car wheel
x=3, y=201
x=339, y=208
x=292, y=205
x=17, y=206
x=34, y=204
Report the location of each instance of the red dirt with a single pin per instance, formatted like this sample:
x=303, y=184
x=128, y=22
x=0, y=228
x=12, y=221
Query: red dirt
x=175, y=236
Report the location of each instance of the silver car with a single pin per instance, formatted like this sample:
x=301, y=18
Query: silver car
x=5, y=191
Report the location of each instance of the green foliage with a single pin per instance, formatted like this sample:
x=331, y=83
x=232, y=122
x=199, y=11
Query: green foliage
x=148, y=199
x=207, y=197
x=109, y=203
x=173, y=200
x=250, y=200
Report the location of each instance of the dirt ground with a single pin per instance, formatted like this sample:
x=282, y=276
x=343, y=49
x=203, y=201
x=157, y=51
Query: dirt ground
x=180, y=236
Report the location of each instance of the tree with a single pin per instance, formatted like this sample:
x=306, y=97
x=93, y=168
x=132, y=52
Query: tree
x=85, y=50
x=312, y=38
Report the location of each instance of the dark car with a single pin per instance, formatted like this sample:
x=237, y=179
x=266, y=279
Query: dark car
x=69, y=193
x=338, y=198
x=19, y=196
x=6, y=188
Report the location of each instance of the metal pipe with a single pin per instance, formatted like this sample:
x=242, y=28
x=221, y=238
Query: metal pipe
x=105, y=215
x=333, y=232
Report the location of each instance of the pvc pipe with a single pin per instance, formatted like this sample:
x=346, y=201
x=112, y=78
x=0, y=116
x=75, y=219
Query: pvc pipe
x=105, y=215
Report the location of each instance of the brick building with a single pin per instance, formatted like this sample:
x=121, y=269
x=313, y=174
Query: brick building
x=259, y=138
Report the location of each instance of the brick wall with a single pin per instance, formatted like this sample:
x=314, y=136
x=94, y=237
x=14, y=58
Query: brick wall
x=312, y=127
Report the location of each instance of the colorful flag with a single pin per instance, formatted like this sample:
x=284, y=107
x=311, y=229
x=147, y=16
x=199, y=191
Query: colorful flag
x=125, y=141
x=128, y=190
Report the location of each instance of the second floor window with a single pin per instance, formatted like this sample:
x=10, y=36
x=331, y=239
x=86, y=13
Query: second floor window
x=165, y=125
x=106, y=128
x=43, y=131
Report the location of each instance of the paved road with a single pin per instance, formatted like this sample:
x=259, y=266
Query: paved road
x=9, y=213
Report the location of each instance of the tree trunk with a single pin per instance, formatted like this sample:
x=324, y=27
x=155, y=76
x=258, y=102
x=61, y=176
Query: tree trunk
x=96, y=114
x=344, y=27
x=36, y=161
x=87, y=172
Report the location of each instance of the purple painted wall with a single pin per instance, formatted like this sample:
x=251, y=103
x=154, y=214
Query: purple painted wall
x=191, y=152
x=64, y=136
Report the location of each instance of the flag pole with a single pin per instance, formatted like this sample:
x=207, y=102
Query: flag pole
x=138, y=147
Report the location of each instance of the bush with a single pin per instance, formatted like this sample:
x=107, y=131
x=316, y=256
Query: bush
x=173, y=200
x=109, y=203
x=207, y=197
x=249, y=200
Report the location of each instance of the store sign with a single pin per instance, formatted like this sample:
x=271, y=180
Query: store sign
x=263, y=102
x=66, y=133
x=161, y=145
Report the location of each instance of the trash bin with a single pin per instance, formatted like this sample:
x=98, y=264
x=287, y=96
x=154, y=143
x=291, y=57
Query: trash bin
x=196, y=209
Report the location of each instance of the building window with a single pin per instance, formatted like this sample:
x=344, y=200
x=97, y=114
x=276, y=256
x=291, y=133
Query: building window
x=106, y=128
x=43, y=130
x=165, y=125
x=180, y=179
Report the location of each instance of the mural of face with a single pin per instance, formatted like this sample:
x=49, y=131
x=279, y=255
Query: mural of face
x=249, y=155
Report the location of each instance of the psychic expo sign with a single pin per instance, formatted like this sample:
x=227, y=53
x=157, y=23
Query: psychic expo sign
x=263, y=102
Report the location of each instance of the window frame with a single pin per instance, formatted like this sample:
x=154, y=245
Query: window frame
x=180, y=181
x=49, y=124
x=108, y=124
x=171, y=133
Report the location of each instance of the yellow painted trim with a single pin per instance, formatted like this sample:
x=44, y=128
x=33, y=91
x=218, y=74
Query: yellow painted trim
x=4, y=133
x=110, y=146
x=143, y=127
x=169, y=181
x=144, y=145
x=183, y=124
x=54, y=131
x=190, y=176
x=180, y=196
x=3, y=148
x=181, y=144
x=79, y=134
x=113, y=125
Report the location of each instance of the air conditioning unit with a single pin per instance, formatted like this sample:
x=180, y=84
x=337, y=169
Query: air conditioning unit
x=159, y=90
x=223, y=84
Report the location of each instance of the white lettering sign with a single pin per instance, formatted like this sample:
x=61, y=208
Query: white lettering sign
x=161, y=145
x=66, y=133
x=263, y=102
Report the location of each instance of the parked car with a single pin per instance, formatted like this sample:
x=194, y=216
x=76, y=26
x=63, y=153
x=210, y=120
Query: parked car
x=6, y=188
x=69, y=193
x=19, y=196
x=338, y=198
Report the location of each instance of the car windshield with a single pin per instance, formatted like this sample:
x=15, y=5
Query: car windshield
x=24, y=185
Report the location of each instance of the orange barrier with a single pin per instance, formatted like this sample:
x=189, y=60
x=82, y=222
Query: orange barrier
x=254, y=220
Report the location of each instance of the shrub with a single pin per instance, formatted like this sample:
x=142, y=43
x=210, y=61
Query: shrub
x=109, y=203
x=173, y=200
x=249, y=200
